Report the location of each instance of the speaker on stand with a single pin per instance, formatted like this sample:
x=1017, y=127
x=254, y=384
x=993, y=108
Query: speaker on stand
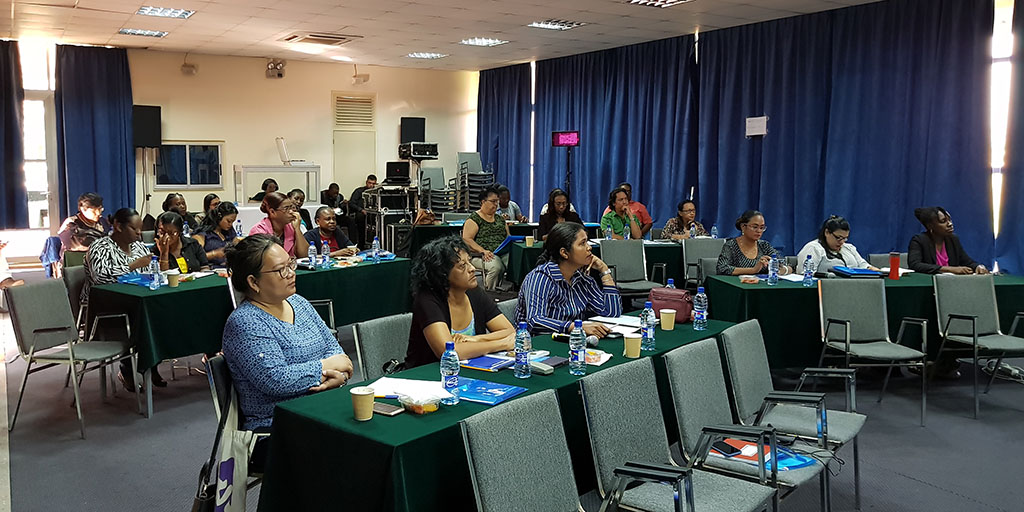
x=146, y=134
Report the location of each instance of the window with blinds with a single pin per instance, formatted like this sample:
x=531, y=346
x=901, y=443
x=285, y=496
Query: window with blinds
x=353, y=112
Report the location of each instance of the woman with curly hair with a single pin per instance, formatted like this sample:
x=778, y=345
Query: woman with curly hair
x=449, y=306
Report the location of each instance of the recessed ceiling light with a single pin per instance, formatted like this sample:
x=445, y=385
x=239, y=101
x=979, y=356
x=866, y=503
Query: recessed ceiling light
x=341, y=58
x=659, y=3
x=427, y=55
x=141, y=32
x=482, y=41
x=307, y=48
x=165, y=12
x=556, y=24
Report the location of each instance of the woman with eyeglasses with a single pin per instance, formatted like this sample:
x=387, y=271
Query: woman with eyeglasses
x=748, y=254
x=831, y=248
x=175, y=251
x=275, y=343
x=558, y=211
x=483, y=232
x=678, y=227
x=938, y=250
x=283, y=222
x=82, y=229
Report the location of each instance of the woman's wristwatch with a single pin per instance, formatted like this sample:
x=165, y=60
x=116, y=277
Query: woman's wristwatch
x=607, y=272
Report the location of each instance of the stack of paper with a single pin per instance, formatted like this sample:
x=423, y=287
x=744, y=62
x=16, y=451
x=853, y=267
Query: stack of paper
x=392, y=387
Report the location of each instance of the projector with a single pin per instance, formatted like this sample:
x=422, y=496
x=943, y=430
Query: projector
x=418, y=151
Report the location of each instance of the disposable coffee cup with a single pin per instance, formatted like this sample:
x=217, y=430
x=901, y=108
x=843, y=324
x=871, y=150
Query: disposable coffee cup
x=668, y=319
x=172, y=280
x=632, y=347
x=529, y=240
x=362, y=403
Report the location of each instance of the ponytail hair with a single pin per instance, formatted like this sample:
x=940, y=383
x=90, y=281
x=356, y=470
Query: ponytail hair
x=561, y=236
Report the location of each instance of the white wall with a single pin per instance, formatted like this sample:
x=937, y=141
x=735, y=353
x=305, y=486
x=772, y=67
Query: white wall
x=231, y=100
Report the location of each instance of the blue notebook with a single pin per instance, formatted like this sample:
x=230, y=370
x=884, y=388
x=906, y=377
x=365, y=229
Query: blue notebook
x=507, y=242
x=384, y=255
x=136, y=279
x=842, y=271
x=488, y=363
x=484, y=392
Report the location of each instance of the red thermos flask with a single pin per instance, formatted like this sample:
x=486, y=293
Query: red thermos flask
x=894, y=265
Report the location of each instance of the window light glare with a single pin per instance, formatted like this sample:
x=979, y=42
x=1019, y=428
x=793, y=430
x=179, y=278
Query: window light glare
x=482, y=41
x=556, y=24
x=164, y=12
x=141, y=32
x=427, y=55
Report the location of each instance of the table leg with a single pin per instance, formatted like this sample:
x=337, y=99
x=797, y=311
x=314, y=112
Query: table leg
x=147, y=377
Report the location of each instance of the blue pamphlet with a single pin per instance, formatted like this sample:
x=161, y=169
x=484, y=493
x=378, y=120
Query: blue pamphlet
x=136, y=279
x=855, y=272
x=507, y=242
x=488, y=363
x=384, y=255
x=484, y=392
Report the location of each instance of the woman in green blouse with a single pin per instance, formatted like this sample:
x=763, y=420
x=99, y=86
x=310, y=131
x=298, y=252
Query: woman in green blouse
x=483, y=232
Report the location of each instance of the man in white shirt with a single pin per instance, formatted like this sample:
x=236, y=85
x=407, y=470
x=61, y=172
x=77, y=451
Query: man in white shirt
x=508, y=208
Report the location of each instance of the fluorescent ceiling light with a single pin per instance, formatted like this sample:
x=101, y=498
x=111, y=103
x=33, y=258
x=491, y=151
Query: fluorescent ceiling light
x=482, y=41
x=659, y=3
x=341, y=58
x=164, y=12
x=427, y=55
x=141, y=32
x=307, y=48
x=556, y=24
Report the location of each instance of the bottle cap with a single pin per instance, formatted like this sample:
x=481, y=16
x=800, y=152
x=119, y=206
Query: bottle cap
x=700, y=289
x=156, y=258
x=578, y=324
x=648, y=304
x=449, y=345
x=808, y=256
x=522, y=325
x=671, y=281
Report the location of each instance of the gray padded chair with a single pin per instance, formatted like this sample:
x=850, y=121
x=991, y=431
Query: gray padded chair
x=74, y=280
x=494, y=441
x=148, y=237
x=325, y=308
x=656, y=233
x=508, y=308
x=700, y=398
x=379, y=341
x=236, y=296
x=693, y=250
x=882, y=260
x=791, y=262
x=755, y=401
x=222, y=387
x=707, y=268
x=615, y=412
x=44, y=329
x=454, y=216
x=968, y=317
x=855, y=324
x=629, y=267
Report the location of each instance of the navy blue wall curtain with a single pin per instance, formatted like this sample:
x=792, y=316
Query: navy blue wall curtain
x=909, y=120
x=13, y=195
x=503, y=127
x=634, y=108
x=779, y=69
x=94, y=127
x=1009, y=245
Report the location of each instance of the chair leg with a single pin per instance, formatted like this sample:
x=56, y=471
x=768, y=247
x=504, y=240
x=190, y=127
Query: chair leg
x=856, y=473
x=924, y=389
x=885, y=383
x=826, y=496
x=135, y=372
x=103, y=381
x=21, y=393
x=821, y=361
x=78, y=401
x=974, y=374
x=995, y=371
x=67, y=379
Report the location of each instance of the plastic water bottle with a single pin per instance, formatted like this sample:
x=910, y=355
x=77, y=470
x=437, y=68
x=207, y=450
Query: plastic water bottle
x=671, y=283
x=773, y=271
x=325, y=255
x=523, y=343
x=608, y=233
x=238, y=228
x=647, y=323
x=185, y=231
x=700, y=310
x=577, y=350
x=714, y=231
x=375, y=250
x=693, y=231
x=311, y=253
x=809, y=268
x=450, y=373
x=154, y=273
x=625, y=233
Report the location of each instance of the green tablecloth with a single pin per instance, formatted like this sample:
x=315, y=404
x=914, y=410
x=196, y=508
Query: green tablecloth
x=523, y=259
x=790, y=319
x=321, y=458
x=177, y=322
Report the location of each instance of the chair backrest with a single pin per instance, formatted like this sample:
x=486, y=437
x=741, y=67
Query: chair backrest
x=793, y=264
x=324, y=308
x=861, y=301
x=74, y=280
x=40, y=305
x=882, y=260
x=966, y=295
x=624, y=420
x=221, y=383
x=699, y=395
x=236, y=296
x=74, y=258
x=495, y=440
x=708, y=267
x=148, y=237
x=627, y=256
x=433, y=178
x=508, y=308
x=747, y=366
x=381, y=340
x=696, y=248
x=656, y=233
x=450, y=216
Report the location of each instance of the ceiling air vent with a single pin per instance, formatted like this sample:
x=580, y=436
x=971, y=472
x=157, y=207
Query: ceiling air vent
x=321, y=38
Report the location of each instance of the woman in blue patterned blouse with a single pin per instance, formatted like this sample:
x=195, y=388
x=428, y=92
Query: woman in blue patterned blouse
x=275, y=343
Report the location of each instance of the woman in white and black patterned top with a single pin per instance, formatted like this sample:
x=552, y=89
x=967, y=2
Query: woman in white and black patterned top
x=747, y=253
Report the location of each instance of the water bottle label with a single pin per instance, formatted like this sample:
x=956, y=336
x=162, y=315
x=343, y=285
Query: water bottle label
x=577, y=356
x=699, y=315
x=451, y=382
x=522, y=357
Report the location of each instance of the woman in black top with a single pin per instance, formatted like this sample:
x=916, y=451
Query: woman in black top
x=299, y=197
x=176, y=203
x=269, y=185
x=938, y=249
x=558, y=211
x=217, y=232
x=81, y=230
x=177, y=251
x=449, y=306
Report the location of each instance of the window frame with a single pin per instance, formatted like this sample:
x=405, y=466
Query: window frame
x=188, y=185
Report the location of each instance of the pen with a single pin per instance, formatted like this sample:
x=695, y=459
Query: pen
x=395, y=397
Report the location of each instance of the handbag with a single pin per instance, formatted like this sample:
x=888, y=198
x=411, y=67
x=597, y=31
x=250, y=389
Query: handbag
x=226, y=493
x=671, y=298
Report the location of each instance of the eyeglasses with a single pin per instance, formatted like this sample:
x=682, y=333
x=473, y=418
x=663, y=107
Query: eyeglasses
x=839, y=238
x=762, y=228
x=289, y=208
x=286, y=271
x=689, y=211
x=492, y=201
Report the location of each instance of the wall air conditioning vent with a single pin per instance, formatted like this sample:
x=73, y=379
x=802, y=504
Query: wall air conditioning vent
x=321, y=38
x=353, y=112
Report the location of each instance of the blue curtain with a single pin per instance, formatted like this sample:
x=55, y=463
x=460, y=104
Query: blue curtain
x=634, y=108
x=780, y=69
x=503, y=128
x=94, y=127
x=909, y=120
x=13, y=195
x=1009, y=248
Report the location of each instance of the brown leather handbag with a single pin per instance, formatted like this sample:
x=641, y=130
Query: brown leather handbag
x=672, y=298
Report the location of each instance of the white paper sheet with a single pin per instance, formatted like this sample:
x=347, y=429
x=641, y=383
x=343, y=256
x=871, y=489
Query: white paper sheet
x=902, y=270
x=413, y=388
x=794, y=278
x=629, y=321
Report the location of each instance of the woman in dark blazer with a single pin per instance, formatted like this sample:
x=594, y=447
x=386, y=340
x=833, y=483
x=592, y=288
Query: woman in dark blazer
x=938, y=250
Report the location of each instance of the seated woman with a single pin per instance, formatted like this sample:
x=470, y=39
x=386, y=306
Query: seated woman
x=561, y=289
x=282, y=221
x=449, y=306
x=678, y=227
x=557, y=211
x=275, y=343
x=6, y=279
x=210, y=201
x=938, y=250
x=830, y=249
x=269, y=185
x=217, y=232
x=176, y=203
x=619, y=219
x=483, y=232
x=175, y=250
x=81, y=230
x=327, y=231
x=748, y=254
x=299, y=198
x=113, y=256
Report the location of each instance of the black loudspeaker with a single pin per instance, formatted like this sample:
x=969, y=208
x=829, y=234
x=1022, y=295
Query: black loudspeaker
x=146, y=126
x=414, y=129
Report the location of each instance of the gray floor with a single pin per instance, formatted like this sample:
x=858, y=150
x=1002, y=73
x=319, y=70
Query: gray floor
x=131, y=463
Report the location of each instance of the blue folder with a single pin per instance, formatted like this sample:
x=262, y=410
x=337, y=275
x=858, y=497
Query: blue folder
x=507, y=243
x=484, y=392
